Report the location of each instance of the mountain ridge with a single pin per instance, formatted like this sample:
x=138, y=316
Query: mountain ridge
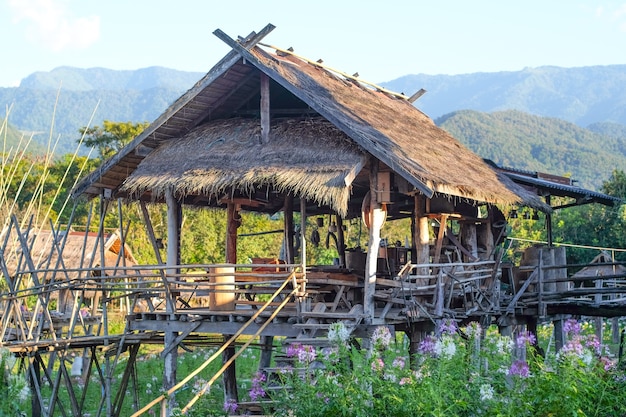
x=529, y=119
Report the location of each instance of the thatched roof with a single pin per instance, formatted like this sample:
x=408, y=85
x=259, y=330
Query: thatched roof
x=393, y=130
x=310, y=158
x=80, y=250
x=384, y=125
x=601, y=265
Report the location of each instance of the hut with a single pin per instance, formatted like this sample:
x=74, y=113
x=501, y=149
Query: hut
x=59, y=259
x=267, y=130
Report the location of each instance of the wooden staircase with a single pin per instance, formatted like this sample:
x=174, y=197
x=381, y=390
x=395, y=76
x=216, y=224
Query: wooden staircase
x=314, y=332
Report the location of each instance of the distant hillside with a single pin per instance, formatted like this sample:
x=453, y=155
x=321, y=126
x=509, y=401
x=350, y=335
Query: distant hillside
x=569, y=99
x=582, y=95
x=12, y=142
x=523, y=141
x=77, y=79
x=136, y=96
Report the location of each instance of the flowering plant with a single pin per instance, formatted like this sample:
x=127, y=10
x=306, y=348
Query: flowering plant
x=456, y=372
x=14, y=391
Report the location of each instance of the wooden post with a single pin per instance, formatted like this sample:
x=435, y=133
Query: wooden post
x=172, y=260
x=549, y=223
x=560, y=259
x=34, y=378
x=341, y=242
x=443, y=225
x=421, y=233
x=288, y=227
x=303, y=240
x=233, y=221
x=376, y=223
x=468, y=238
x=559, y=334
x=265, y=108
x=418, y=331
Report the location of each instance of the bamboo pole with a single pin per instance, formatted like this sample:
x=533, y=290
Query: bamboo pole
x=216, y=354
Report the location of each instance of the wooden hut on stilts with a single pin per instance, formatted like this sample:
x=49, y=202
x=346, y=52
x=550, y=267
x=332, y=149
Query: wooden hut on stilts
x=269, y=131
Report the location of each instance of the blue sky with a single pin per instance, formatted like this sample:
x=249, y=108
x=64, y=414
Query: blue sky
x=382, y=40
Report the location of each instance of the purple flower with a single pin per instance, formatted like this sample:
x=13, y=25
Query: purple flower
x=525, y=337
x=427, y=346
x=593, y=343
x=293, y=350
x=256, y=392
x=572, y=326
x=398, y=362
x=520, y=368
x=230, y=406
x=447, y=326
x=572, y=347
x=304, y=353
x=607, y=363
x=326, y=399
x=307, y=354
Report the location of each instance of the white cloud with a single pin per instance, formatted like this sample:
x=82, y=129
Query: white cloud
x=50, y=23
x=620, y=17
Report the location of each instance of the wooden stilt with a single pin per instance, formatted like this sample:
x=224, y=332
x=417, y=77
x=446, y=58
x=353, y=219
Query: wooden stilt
x=233, y=221
x=377, y=218
x=173, y=253
x=289, y=229
x=417, y=333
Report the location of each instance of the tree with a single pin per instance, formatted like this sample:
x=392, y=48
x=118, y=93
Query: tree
x=111, y=137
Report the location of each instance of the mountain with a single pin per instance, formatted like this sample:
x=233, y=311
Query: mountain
x=76, y=79
x=13, y=142
x=516, y=139
x=66, y=98
x=583, y=95
x=559, y=120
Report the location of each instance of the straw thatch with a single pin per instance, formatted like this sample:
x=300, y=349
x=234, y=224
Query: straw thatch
x=601, y=265
x=383, y=125
x=396, y=132
x=80, y=250
x=310, y=158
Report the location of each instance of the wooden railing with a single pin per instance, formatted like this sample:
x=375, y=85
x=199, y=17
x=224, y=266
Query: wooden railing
x=162, y=399
x=433, y=290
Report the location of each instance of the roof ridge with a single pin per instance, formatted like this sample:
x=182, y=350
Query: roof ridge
x=319, y=64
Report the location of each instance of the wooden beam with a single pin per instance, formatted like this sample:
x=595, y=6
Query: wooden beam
x=265, y=108
x=417, y=95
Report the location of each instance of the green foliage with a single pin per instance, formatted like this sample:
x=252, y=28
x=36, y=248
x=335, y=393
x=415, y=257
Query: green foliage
x=524, y=141
x=467, y=373
x=111, y=137
x=14, y=392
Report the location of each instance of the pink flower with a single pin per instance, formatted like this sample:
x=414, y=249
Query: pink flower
x=378, y=365
x=405, y=381
x=381, y=338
